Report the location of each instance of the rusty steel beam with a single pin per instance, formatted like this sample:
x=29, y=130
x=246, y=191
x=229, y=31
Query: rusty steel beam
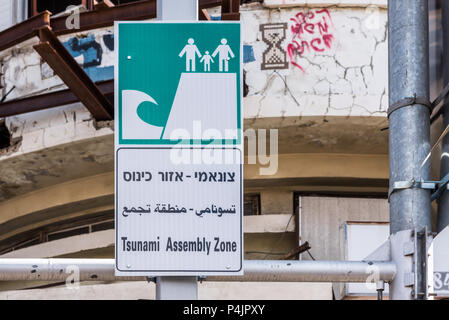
x=204, y=15
x=102, y=18
x=50, y=100
x=97, y=99
x=24, y=30
x=102, y=4
x=65, y=66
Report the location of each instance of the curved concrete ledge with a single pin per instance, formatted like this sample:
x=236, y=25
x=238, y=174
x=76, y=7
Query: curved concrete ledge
x=102, y=239
x=96, y=192
x=84, y=242
x=68, y=199
x=206, y=291
x=25, y=172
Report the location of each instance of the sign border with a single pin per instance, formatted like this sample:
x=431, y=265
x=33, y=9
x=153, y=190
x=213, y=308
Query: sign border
x=239, y=129
x=178, y=272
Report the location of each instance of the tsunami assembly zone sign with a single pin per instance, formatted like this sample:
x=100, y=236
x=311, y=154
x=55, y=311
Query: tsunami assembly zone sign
x=178, y=149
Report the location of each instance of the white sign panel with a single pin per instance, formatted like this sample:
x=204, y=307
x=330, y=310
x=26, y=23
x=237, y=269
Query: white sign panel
x=177, y=218
x=441, y=263
x=362, y=239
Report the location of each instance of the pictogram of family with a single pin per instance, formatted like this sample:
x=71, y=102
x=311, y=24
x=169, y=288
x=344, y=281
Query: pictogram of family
x=191, y=52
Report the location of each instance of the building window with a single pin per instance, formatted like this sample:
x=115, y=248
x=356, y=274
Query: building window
x=54, y=6
x=5, y=135
x=117, y=2
x=60, y=230
x=58, y=6
x=320, y=219
x=251, y=205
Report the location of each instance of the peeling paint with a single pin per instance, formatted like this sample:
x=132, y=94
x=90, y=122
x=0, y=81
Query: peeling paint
x=248, y=54
x=348, y=78
x=92, y=53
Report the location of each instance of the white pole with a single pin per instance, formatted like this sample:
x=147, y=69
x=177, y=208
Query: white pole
x=254, y=270
x=177, y=288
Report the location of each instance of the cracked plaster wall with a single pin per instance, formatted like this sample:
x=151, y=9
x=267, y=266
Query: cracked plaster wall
x=23, y=68
x=348, y=79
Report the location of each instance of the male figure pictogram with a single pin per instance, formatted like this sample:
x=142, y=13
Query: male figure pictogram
x=190, y=50
x=207, y=60
x=224, y=51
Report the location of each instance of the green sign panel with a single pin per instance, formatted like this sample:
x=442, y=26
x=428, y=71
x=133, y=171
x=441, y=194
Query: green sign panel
x=178, y=83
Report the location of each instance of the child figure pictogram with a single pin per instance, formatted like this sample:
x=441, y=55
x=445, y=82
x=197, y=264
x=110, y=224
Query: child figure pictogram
x=207, y=59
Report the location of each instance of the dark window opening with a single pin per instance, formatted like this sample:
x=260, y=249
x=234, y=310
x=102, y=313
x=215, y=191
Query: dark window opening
x=251, y=205
x=250, y=1
x=68, y=228
x=27, y=243
x=117, y=2
x=103, y=226
x=245, y=85
x=54, y=6
x=66, y=234
x=5, y=136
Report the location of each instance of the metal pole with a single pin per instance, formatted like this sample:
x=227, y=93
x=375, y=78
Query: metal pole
x=409, y=126
x=443, y=204
x=254, y=270
x=177, y=288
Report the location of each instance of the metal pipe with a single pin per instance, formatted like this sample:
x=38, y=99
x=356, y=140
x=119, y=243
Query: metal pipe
x=408, y=46
x=409, y=126
x=177, y=288
x=255, y=270
x=443, y=203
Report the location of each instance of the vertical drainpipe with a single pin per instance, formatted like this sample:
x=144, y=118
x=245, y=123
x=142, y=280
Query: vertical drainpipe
x=409, y=126
x=443, y=204
x=409, y=141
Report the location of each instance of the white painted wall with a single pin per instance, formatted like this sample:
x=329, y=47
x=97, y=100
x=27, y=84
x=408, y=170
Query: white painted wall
x=323, y=221
x=6, y=14
x=206, y=291
x=12, y=12
x=348, y=79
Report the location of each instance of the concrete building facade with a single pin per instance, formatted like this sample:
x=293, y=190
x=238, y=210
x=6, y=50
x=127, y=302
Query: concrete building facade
x=320, y=79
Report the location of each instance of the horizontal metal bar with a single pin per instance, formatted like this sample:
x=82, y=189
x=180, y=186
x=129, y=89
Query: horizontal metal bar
x=50, y=100
x=312, y=271
x=102, y=18
x=254, y=270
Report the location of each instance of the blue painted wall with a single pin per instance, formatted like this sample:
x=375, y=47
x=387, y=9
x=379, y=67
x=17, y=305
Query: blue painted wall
x=92, y=53
x=248, y=54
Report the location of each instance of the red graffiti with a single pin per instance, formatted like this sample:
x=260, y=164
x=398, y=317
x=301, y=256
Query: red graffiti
x=312, y=32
